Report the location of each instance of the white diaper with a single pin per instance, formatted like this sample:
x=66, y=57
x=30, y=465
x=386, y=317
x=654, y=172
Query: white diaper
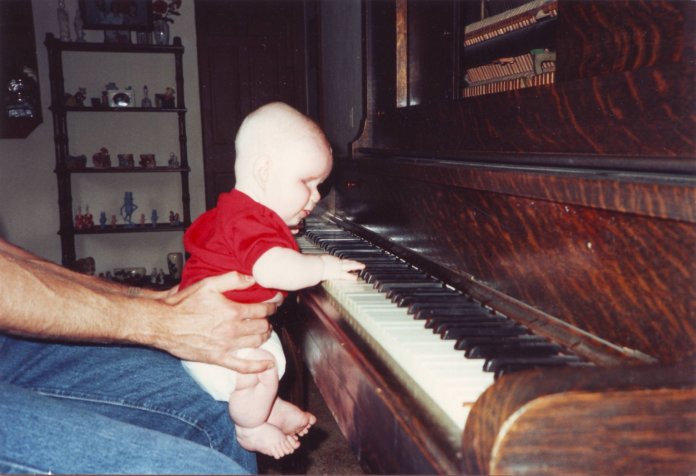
x=219, y=381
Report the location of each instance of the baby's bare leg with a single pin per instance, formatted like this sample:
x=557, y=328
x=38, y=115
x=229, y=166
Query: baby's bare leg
x=251, y=402
x=250, y=405
x=278, y=436
x=264, y=422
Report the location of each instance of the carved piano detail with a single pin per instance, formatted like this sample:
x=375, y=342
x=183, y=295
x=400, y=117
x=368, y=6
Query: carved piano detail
x=561, y=216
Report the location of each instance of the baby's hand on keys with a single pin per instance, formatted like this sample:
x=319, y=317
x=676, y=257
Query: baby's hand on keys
x=336, y=268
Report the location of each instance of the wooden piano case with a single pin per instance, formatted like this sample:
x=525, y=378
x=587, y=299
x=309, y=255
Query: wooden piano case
x=570, y=207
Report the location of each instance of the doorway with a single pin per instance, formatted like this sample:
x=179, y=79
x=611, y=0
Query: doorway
x=250, y=52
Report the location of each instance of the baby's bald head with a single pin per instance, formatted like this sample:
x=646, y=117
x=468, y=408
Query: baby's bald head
x=282, y=158
x=275, y=131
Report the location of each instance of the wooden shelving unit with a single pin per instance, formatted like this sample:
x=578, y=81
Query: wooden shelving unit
x=60, y=112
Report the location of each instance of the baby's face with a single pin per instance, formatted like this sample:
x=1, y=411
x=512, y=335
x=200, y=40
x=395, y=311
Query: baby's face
x=292, y=190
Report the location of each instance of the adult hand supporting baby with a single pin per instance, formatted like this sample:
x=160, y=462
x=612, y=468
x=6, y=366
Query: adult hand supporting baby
x=205, y=326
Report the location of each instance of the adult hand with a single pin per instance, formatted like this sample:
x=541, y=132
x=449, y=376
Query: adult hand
x=205, y=326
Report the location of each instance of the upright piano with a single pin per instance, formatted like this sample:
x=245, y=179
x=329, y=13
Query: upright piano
x=528, y=301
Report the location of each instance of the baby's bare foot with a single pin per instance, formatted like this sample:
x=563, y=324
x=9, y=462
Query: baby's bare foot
x=267, y=439
x=290, y=419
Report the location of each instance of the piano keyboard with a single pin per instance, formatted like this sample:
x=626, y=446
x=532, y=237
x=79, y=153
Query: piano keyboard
x=450, y=347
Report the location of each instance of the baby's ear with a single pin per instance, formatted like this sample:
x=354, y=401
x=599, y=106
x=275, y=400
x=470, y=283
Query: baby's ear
x=262, y=165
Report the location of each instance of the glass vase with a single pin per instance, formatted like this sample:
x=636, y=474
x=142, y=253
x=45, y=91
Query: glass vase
x=160, y=32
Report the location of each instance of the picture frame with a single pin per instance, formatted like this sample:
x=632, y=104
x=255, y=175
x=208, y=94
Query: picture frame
x=133, y=15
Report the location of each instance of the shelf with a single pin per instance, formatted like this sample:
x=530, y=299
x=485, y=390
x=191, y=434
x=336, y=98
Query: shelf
x=124, y=170
x=60, y=111
x=114, y=109
x=112, y=229
x=113, y=47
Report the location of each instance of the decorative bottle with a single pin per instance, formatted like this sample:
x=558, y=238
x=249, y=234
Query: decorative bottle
x=63, y=22
x=77, y=23
x=146, y=102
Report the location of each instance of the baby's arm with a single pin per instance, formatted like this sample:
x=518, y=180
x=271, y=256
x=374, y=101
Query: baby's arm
x=289, y=270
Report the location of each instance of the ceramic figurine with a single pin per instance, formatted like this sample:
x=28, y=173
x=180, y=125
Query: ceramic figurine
x=146, y=102
x=166, y=100
x=101, y=159
x=148, y=161
x=77, y=99
x=126, y=161
x=175, y=262
x=79, y=220
x=154, y=217
x=173, y=160
x=102, y=219
x=87, y=219
x=128, y=208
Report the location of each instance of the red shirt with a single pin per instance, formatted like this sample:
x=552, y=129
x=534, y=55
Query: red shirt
x=231, y=237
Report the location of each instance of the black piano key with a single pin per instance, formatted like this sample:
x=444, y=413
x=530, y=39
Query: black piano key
x=463, y=332
x=347, y=244
x=423, y=300
x=404, y=289
x=512, y=364
x=442, y=326
x=425, y=310
x=454, y=310
x=378, y=261
x=466, y=343
x=404, y=277
x=396, y=271
x=387, y=264
x=512, y=349
x=353, y=251
x=362, y=257
x=399, y=287
x=436, y=289
x=463, y=316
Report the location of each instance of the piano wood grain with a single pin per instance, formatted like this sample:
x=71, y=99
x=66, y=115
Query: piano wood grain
x=495, y=414
x=637, y=420
x=656, y=428
x=623, y=96
x=612, y=256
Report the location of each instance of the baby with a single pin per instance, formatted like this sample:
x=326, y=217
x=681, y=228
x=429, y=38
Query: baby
x=282, y=157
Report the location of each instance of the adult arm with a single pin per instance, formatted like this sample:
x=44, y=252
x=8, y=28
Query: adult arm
x=42, y=300
x=37, y=262
x=289, y=270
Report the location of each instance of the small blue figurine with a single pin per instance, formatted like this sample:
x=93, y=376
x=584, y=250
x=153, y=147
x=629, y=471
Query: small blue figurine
x=128, y=208
x=102, y=217
x=154, y=217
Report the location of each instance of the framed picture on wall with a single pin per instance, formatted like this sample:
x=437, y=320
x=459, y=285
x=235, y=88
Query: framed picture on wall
x=116, y=14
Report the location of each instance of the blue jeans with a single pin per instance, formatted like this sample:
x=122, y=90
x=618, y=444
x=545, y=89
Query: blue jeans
x=71, y=408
